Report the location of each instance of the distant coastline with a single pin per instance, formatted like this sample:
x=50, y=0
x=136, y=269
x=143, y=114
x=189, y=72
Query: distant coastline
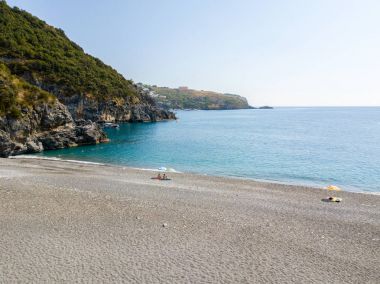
x=185, y=98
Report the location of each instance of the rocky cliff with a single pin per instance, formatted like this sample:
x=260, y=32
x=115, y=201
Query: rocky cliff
x=142, y=109
x=53, y=94
x=45, y=127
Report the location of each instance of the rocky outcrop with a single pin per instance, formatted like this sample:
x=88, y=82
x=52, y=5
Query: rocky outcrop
x=71, y=123
x=82, y=107
x=46, y=127
x=112, y=110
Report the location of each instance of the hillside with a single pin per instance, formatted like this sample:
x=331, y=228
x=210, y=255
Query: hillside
x=43, y=74
x=16, y=93
x=184, y=98
x=46, y=58
x=30, y=46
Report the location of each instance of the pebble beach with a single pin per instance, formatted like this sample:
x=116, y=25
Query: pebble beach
x=72, y=222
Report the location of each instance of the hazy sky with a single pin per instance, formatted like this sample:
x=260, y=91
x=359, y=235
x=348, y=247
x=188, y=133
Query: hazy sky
x=295, y=52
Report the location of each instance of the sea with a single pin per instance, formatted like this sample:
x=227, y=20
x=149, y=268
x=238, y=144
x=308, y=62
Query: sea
x=295, y=145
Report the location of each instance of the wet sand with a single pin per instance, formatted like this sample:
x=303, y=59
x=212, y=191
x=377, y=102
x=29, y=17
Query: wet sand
x=71, y=222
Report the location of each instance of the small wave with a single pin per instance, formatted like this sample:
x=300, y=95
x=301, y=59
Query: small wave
x=84, y=162
x=35, y=157
x=141, y=169
x=366, y=192
x=54, y=159
x=168, y=170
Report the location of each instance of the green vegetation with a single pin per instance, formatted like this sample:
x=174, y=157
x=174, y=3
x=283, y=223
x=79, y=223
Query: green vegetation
x=38, y=60
x=183, y=98
x=16, y=93
x=47, y=58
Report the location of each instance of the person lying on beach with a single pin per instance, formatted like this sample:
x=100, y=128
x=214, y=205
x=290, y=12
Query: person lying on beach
x=164, y=177
x=159, y=177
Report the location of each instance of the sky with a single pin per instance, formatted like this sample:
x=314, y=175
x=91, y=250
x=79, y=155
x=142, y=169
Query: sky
x=274, y=52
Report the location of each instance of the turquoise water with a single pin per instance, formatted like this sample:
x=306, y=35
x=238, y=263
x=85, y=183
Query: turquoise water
x=310, y=146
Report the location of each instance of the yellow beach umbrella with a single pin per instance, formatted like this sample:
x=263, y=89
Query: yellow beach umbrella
x=333, y=187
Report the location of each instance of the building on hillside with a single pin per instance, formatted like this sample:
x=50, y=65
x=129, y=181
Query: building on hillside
x=153, y=94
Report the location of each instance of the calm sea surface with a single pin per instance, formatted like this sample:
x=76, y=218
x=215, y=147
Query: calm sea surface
x=310, y=146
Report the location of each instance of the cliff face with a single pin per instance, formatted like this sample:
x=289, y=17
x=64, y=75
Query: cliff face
x=139, y=108
x=53, y=94
x=45, y=127
x=115, y=110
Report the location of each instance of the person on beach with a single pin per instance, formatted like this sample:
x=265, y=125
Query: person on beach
x=159, y=176
x=164, y=177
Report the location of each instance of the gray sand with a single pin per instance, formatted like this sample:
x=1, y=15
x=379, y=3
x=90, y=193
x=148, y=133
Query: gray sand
x=69, y=222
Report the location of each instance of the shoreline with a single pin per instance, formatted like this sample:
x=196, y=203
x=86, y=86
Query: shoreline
x=264, y=181
x=72, y=222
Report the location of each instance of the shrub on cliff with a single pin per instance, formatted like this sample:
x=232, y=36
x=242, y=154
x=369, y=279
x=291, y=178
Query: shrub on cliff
x=16, y=93
x=45, y=57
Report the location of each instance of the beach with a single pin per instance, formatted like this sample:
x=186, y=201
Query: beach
x=63, y=221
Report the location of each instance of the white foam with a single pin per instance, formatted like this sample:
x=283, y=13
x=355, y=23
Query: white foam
x=84, y=162
x=34, y=157
x=366, y=192
x=169, y=170
x=54, y=159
